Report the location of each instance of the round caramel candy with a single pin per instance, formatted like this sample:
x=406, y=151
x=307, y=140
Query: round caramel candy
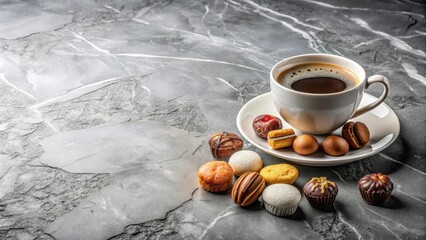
x=305, y=144
x=335, y=146
x=265, y=123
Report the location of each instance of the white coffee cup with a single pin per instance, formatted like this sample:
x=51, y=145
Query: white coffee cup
x=322, y=113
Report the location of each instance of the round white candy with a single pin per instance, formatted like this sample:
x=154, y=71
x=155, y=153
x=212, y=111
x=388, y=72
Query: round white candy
x=245, y=161
x=281, y=199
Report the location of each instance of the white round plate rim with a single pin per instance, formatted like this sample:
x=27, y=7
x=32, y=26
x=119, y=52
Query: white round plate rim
x=377, y=143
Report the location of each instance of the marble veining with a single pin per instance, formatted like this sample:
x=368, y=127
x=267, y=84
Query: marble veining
x=106, y=108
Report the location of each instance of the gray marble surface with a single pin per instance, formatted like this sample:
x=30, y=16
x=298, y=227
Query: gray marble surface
x=106, y=108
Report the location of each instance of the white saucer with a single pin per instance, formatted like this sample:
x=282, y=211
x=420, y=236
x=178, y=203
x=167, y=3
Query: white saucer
x=382, y=122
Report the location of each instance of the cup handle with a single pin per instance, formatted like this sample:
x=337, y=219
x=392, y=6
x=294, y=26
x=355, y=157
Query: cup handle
x=374, y=79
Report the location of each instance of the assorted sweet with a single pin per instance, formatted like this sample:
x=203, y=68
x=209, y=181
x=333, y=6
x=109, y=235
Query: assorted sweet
x=265, y=123
x=224, y=144
x=281, y=199
x=305, y=144
x=248, y=188
x=279, y=173
x=375, y=188
x=320, y=192
x=335, y=146
x=245, y=161
x=215, y=176
x=273, y=182
x=281, y=138
x=356, y=133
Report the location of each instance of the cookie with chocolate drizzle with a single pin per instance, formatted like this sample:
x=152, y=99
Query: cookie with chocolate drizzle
x=224, y=144
x=320, y=192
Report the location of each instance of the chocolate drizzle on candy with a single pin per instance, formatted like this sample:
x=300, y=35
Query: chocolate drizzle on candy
x=224, y=144
x=320, y=192
x=322, y=183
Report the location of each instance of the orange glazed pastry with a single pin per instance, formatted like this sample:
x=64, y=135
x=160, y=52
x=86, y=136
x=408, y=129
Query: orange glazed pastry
x=216, y=176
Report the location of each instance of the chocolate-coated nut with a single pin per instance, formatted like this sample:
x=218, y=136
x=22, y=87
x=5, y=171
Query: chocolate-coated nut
x=356, y=133
x=265, y=123
x=305, y=144
x=335, y=146
x=248, y=188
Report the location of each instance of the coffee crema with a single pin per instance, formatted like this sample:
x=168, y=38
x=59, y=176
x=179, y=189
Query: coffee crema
x=318, y=78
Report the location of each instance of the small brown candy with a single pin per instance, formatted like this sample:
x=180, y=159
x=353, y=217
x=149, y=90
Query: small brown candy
x=356, y=133
x=375, y=188
x=224, y=144
x=320, y=192
x=248, y=188
x=335, y=146
x=305, y=144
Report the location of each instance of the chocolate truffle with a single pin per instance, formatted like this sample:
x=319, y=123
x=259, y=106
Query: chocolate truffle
x=320, y=192
x=248, y=188
x=375, y=188
x=265, y=123
x=356, y=133
x=224, y=144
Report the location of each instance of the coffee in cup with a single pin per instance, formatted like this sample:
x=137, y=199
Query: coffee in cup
x=318, y=93
x=318, y=78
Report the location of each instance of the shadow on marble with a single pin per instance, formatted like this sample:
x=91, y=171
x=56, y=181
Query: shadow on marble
x=256, y=206
x=299, y=215
x=394, y=203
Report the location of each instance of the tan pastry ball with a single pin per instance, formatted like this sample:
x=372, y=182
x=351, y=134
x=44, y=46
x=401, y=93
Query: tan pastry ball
x=224, y=144
x=216, y=176
x=335, y=145
x=305, y=144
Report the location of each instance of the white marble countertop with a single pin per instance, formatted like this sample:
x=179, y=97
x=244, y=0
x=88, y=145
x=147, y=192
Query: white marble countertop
x=106, y=108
